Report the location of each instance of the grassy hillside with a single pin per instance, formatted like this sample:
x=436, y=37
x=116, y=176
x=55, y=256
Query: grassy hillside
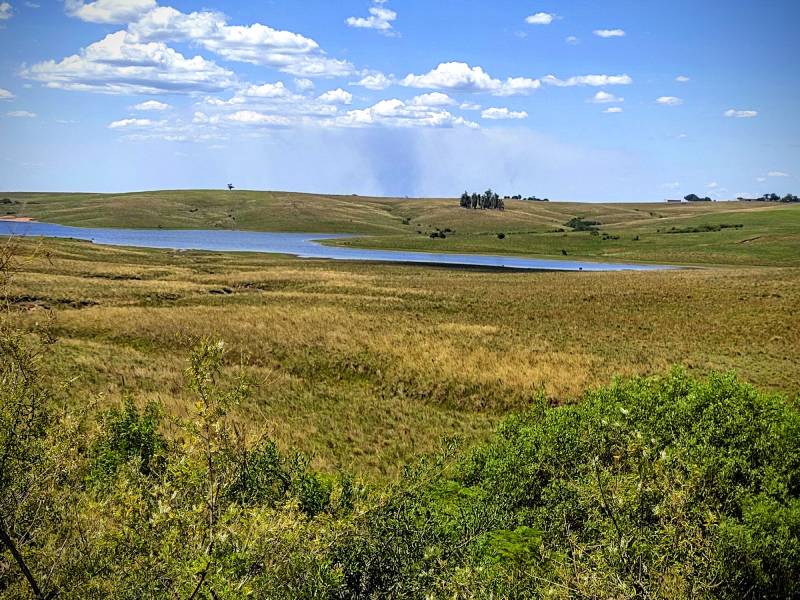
x=720, y=233
x=647, y=232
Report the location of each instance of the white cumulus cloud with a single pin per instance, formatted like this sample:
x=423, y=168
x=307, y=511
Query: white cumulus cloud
x=433, y=99
x=6, y=95
x=777, y=174
x=682, y=79
x=6, y=11
x=380, y=18
x=256, y=44
x=375, y=81
x=540, y=18
x=613, y=110
x=119, y=64
x=459, y=76
x=337, y=96
x=454, y=76
x=602, y=97
x=266, y=90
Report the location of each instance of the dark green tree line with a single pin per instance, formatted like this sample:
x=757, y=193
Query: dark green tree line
x=489, y=200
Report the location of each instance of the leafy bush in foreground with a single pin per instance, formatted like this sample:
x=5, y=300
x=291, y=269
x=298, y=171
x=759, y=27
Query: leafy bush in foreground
x=659, y=488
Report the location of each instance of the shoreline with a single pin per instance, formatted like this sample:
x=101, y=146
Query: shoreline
x=11, y=219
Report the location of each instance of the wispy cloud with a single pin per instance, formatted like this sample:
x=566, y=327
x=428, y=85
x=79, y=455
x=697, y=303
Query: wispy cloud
x=126, y=123
x=399, y=113
x=21, y=114
x=602, y=97
x=669, y=101
x=251, y=117
x=6, y=95
x=740, y=114
x=503, y=113
x=589, y=80
x=682, y=79
x=609, y=33
x=777, y=174
x=152, y=105
x=6, y=11
x=109, y=11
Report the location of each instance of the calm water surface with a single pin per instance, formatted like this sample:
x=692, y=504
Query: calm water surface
x=303, y=245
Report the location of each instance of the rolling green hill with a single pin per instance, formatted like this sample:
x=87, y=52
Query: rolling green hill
x=740, y=233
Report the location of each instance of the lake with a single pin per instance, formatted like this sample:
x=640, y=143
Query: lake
x=302, y=245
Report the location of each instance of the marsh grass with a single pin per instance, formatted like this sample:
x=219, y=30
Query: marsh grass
x=364, y=366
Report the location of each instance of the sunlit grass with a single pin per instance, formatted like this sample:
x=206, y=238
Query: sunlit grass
x=365, y=365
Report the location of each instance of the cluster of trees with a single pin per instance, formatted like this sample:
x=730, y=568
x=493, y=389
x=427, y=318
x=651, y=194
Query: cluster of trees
x=764, y=198
x=487, y=200
x=529, y=198
x=772, y=198
x=705, y=228
x=492, y=200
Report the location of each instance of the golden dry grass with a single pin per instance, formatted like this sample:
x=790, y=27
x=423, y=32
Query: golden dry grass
x=366, y=365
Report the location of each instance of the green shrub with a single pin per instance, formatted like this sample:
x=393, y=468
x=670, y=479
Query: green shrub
x=665, y=487
x=581, y=224
x=127, y=434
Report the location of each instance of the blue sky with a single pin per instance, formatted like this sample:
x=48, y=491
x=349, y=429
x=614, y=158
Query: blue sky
x=585, y=100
